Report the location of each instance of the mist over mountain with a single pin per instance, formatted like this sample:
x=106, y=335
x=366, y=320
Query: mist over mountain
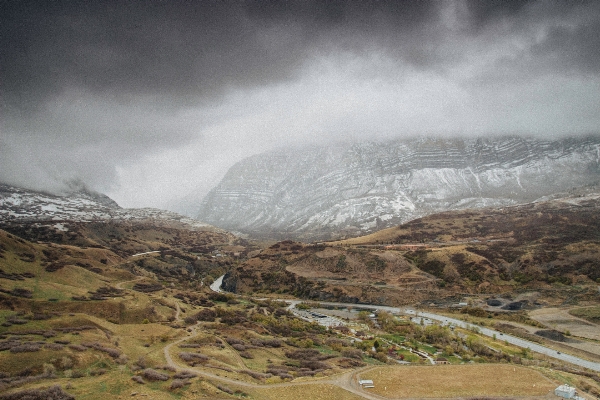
x=321, y=192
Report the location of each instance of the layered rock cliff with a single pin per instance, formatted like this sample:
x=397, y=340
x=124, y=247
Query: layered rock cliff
x=350, y=189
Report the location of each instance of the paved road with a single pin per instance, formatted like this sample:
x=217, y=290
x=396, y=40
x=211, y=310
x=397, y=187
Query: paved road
x=448, y=320
x=216, y=285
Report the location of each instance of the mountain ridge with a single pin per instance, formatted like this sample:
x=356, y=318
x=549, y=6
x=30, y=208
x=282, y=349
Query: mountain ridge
x=320, y=192
x=20, y=205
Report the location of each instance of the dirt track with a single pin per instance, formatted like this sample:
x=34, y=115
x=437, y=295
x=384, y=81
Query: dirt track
x=346, y=381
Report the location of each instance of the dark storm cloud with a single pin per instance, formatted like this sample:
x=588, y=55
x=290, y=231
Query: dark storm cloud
x=88, y=87
x=573, y=49
x=182, y=49
x=481, y=13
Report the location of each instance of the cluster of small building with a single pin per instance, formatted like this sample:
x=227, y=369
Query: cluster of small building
x=321, y=319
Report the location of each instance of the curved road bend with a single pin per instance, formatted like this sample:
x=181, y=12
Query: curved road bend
x=448, y=320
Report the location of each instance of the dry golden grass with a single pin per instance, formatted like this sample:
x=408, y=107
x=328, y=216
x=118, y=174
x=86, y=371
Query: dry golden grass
x=458, y=381
x=226, y=357
x=383, y=235
x=312, y=392
x=262, y=357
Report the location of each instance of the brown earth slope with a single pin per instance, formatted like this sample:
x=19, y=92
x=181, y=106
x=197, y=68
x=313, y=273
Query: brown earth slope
x=552, y=247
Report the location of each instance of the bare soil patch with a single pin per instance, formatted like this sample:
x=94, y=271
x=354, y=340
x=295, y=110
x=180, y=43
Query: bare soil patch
x=560, y=319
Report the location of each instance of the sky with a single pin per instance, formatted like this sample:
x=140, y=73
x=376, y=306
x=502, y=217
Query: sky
x=151, y=102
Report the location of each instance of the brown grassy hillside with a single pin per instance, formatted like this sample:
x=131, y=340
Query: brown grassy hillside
x=549, y=246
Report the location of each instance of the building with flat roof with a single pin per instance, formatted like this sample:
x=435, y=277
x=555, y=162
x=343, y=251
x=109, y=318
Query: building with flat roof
x=565, y=391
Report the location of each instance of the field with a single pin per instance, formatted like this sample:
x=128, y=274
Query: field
x=448, y=381
x=316, y=392
x=562, y=320
x=591, y=314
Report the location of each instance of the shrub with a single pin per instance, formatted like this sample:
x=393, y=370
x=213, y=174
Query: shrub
x=193, y=358
x=166, y=368
x=255, y=375
x=350, y=363
x=207, y=315
x=77, y=347
x=77, y=374
x=55, y=266
x=54, y=346
x=20, y=292
x=190, y=345
x=98, y=372
x=314, y=365
x=224, y=389
x=352, y=353
x=114, y=353
x=239, y=347
x=147, y=287
x=54, y=393
x=305, y=373
x=16, y=321
x=66, y=362
x=266, y=342
x=153, y=375
x=178, y=383
x=26, y=348
x=122, y=359
x=184, y=375
x=233, y=341
x=246, y=354
x=49, y=369
x=303, y=354
x=138, y=379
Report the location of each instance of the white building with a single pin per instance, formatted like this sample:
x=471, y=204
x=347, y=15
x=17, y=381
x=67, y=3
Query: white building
x=565, y=391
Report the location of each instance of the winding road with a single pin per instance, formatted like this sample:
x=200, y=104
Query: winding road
x=453, y=321
x=349, y=380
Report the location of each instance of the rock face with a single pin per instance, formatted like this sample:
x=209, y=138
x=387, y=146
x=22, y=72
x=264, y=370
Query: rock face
x=19, y=205
x=350, y=189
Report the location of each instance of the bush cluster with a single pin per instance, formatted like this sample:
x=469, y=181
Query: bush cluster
x=193, y=358
x=153, y=375
x=53, y=393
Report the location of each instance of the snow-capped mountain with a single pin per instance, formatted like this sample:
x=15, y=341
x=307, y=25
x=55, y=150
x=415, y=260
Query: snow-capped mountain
x=22, y=205
x=321, y=192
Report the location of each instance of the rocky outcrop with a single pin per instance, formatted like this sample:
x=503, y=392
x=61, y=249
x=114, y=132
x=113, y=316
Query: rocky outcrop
x=352, y=189
x=230, y=282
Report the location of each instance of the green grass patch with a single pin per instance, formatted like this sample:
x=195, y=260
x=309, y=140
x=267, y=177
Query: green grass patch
x=398, y=339
x=427, y=348
x=591, y=314
x=326, y=350
x=408, y=356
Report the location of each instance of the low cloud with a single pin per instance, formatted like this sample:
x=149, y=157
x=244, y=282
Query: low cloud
x=152, y=101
